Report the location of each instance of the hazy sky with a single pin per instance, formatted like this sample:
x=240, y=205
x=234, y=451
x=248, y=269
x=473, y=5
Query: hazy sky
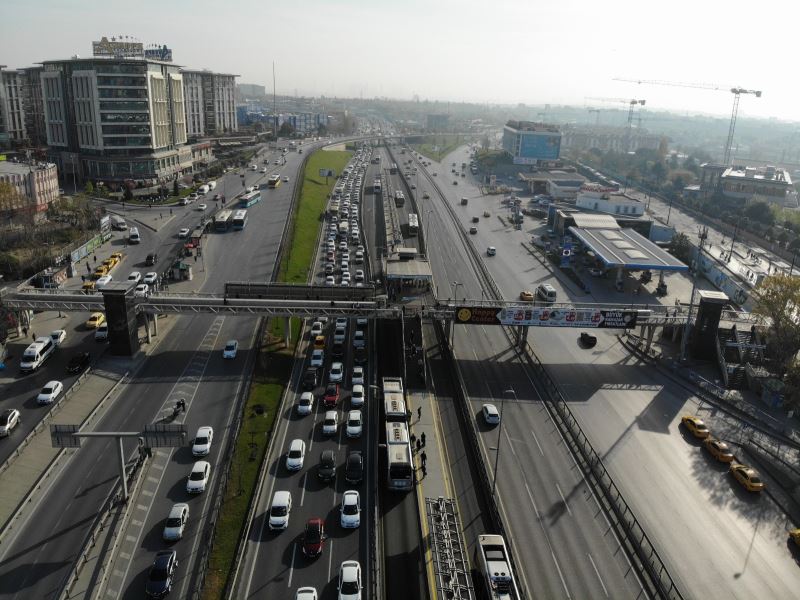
x=487, y=51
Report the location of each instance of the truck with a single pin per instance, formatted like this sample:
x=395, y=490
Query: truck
x=464, y=201
x=118, y=223
x=203, y=189
x=212, y=185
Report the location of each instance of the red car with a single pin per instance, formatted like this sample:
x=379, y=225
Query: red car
x=331, y=397
x=314, y=537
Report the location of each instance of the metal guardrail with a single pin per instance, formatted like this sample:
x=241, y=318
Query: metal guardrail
x=450, y=560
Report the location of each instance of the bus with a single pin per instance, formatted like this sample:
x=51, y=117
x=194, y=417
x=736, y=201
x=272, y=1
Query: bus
x=239, y=220
x=399, y=198
x=376, y=186
x=399, y=463
x=274, y=181
x=393, y=169
x=249, y=199
x=492, y=564
x=223, y=221
x=413, y=224
x=394, y=403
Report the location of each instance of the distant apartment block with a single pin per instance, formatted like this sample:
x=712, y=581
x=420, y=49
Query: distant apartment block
x=210, y=103
x=437, y=122
x=605, y=139
x=12, y=108
x=300, y=122
x=36, y=186
x=251, y=90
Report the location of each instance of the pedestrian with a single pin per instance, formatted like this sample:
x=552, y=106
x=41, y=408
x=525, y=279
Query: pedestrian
x=170, y=212
x=419, y=445
x=413, y=440
x=88, y=267
x=419, y=413
x=408, y=415
x=25, y=332
x=95, y=259
x=33, y=335
x=423, y=457
x=160, y=215
x=424, y=471
x=83, y=278
x=422, y=438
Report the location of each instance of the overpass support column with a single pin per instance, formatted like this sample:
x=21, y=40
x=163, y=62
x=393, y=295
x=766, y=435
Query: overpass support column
x=147, y=318
x=651, y=330
x=122, y=475
x=287, y=330
x=155, y=324
x=523, y=336
x=618, y=283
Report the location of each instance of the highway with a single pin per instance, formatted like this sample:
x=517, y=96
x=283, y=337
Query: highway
x=187, y=363
x=737, y=542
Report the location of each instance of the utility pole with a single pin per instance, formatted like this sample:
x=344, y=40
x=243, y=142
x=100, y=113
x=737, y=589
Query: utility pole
x=274, y=101
x=687, y=328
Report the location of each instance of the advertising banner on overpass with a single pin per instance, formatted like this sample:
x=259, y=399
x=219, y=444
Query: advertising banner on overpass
x=543, y=316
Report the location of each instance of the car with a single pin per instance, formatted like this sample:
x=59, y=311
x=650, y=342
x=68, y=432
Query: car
x=316, y=329
x=161, y=575
x=118, y=256
x=747, y=476
x=231, y=349
x=413, y=186
x=136, y=277
x=357, y=395
x=339, y=334
x=100, y=271
x=280, y=510
x=526, y=295
x=354, y=467
x=198, y=477
x=491, y=251
x=102, y=282
x=202, y=441
x=476, y=219
x=473, y=230
x=151, y=259
x=141, y=291
x=9, y=419
x=359, y=339
x=285, y=179
x=355, y=424
x=337, y=349
x=336, y=374
x=330, y=423
x=341, y=322
x=310, y=378
x=150, y=278
x=350, y=510
x=360, y=356
x=794, y=535
x=696, y=426
x=313, y=541
x=326, y=470
x=331, y=397
x=319, y=342
x=101, y=333
x=305, y=404
x=50, y=391
x=330, y=268
x=490, y=414
x=718, y=449
x=359, y=275
x=58, y=336
x=357, y=376
x=296, y=455
x=176, y=522
x=202, y=206
x=95, y=320
x=426, y=195
x=317, y=358
x=595, y=272
x=183, y=232
x=78, y=362
x=329, y=280
x=455, y=182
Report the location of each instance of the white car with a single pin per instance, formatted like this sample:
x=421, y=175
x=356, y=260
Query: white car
x=141, y=291
x=336, y=374
x=280, y=510
x=202, y=206
x=202, y=441
x=339, y=334
x=317, y=358
x=350, y=580
x=357, y=395
x=103, y=281
x=150, y=278
x=135, y=276
x=9, y=419
x=355, y=424
x=329, y=280
x=350, y=510
x=183, y=233
x=305, y=404
x=357, y=376
x=58, y=336
x=306, y=593
x=176, y=522
x=231, y=348
x=341, y=322
x=316, y=329
x=491, y=416
x=198, y=478
x=296, y=455
x=359, y=275
x=330, y=423
x=285, y=179
x=50, y=392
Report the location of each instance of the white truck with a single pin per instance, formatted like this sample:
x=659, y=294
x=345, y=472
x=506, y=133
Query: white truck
x=212, y=185
x=118, y=223
x=203, y=189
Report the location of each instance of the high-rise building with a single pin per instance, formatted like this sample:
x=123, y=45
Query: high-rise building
x=210, y=103
x=12, y=113
x=34, y=107
x=115, y=119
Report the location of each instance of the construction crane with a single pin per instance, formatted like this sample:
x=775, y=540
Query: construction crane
x=630, y=102
x=735, y=90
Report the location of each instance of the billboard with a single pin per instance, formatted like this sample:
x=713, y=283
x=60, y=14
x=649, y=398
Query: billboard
x=161, y=53
x=545, y=316
x=538, y=145
x=118, y=48
x=327, y=173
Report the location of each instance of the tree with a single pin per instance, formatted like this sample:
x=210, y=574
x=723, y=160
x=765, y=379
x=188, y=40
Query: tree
x=777, y=300
x=680, y=247
x=286, y=129
x=761, y=212
x=89, y=189
x=659, y=172
x=175, y=188
x=128, y=195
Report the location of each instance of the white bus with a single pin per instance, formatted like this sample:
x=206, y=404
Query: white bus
x=413, y=224
x=493, y=568
x=394, y=402
x=223, y=221
x=399, y=198
x=399, y=463
x=239, y=220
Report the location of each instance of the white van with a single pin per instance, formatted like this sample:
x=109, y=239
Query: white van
x=546, y=292
x=203, y=189
x=133, y=236
x=279, y=510
x=35, y=354
x=118, y=223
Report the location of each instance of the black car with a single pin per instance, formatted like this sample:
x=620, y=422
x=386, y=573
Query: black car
x=354, y=468
x=327, y=465
x=310, y=379
x=151, y=259
x=360, y=356
x=162, y=574
x=337, y=349
x=79, y=362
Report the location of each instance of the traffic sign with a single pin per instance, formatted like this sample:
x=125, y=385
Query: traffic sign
x=543, y=316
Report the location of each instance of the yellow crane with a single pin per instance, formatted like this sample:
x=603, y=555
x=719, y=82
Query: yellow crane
x=735, y=90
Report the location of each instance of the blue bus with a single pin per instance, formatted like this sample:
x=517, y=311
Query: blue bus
x=249, y=199
x=239, y=220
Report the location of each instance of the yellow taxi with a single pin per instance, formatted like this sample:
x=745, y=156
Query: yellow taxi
x=96, y=320
x=117, y=256
x=110, y=263
x=319, y=341
x=718, y=449
x=88, y=287
x=101, y=270
x=696, y=425
x=526, y=295
x=747, y=476
x=794, y=535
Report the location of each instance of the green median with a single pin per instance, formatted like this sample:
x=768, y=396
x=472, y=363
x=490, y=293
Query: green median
x=272, y=370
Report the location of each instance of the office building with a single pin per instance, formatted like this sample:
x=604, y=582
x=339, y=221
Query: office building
x=528, y=143
x=34, y=107
x=210, y=103
x=593, y=196
x=768, y=183
x=12, y=111
x=36, y=186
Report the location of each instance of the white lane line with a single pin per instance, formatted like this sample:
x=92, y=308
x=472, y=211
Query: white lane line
x=538, y=445
x=303, y=493
x=330, y=558
x=291, y=569
x=510, y=444
x=533, y=502
x=605, y=591
x=563, y=499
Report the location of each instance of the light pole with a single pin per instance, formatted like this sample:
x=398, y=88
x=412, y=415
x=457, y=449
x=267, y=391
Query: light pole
x=509, y=391
x=454, y=287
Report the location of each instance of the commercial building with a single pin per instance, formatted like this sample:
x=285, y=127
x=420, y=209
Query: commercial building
x=437, y=122
x=12, y=108
x=528, y=143
x=768, y=183
x=210, y=103
x=605, y=139
x=593, y=196
x=560, y=184
x=36, y=186
x=251, y=90
x=300, y=122
x=33, y=106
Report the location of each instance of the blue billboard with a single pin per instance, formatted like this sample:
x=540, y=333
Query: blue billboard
x=539, y=145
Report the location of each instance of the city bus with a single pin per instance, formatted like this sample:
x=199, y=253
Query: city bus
x=223, y=221
x=399, y=198
x=393, y=169
x=239, y=220
x=413, y=224
x=274, y=181
x=249, y=199
x=399, y=463
x=394, y=401
x=492, y=564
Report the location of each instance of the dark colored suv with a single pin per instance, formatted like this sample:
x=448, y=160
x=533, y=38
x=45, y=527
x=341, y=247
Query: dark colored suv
x=162, y=574
x=151, y=259
x=327, y=465
x=354, y=468
x=78, y=362
x=310, y=379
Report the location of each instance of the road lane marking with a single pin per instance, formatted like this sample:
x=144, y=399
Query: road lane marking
x=563, y=499
x=330, y=558
x=605, y=591
x=303, y=484
x=538, y=445
x=291, y=569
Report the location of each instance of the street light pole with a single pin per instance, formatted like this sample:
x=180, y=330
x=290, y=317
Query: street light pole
x=454, y=286
x=509, y=391
x=687, y=327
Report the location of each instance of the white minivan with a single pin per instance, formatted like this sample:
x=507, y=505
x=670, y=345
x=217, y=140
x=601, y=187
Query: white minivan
x=280, y=510
x=133, y=236
x=546, y=292
x=35, y=354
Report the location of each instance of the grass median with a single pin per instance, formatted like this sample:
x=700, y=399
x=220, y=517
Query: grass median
x=272, y=370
